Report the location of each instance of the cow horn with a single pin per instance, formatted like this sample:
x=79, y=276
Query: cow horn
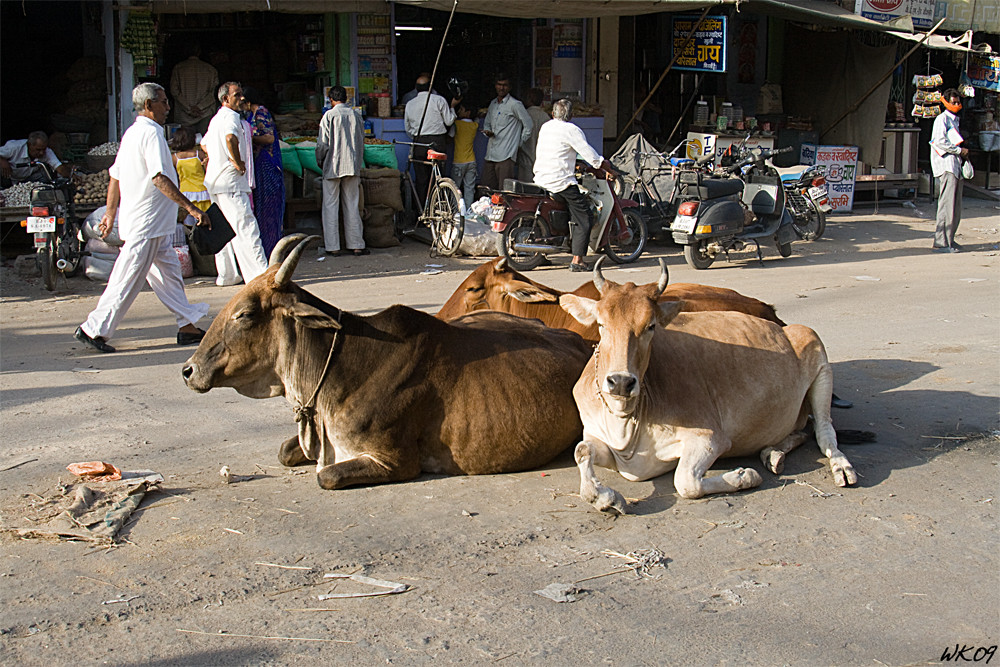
x=284, y=274
x=661, y=284
x=500, y=264
x=282, y=248
x=599, y=281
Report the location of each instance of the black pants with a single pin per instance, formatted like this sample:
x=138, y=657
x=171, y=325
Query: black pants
x=581, y=217
x=423, y=171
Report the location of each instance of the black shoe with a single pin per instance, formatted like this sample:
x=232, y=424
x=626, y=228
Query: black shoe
x=838, y=402
x=97, y=342
x=956, y=246
x=184, y=338
x=576, y=268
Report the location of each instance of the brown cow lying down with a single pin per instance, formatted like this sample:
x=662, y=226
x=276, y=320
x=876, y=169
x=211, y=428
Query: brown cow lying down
x=496, y=286
x=384, y=397
x=670, y=390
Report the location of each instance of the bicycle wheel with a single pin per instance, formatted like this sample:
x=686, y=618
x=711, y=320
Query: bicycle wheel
x=446, y=221
x=626, y=245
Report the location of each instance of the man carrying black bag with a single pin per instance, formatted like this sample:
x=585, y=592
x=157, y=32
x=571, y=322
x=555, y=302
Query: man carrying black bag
x=144, y=183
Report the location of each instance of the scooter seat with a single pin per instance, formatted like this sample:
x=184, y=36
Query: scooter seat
x=711, y=188
x=791, y=173
x=681, y=162
x=522, y=188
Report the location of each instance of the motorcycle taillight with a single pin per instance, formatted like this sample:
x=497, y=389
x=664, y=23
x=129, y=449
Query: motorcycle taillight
x=819, y=181
x=39, y=210
x=496, y=198
x=688, y=208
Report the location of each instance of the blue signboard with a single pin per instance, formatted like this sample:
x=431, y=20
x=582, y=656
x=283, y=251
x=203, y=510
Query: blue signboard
x=706, y=52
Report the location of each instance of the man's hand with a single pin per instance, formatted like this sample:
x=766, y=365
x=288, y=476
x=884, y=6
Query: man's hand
x=5, y=167
x=488, y=133
x=964, y=152
x=201, y=218
x=106, y=224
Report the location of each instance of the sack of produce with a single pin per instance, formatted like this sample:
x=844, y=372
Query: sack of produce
x=90, y=230
x=379, y=227
x=380, y=155
x=479, y=239
x=101, y=247
x=98, y=270
x=290, y=159
x=382, y=186
x=307, y=156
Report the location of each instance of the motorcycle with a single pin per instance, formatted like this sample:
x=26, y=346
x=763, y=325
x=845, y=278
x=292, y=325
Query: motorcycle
x=53, y=221
x=807, y=198
x=741, y=203
x=532, y=224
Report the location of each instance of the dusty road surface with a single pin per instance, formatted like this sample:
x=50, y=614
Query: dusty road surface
x=891, y=572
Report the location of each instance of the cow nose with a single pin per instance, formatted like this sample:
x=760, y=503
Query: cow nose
x=187, y=371
x=620, y=384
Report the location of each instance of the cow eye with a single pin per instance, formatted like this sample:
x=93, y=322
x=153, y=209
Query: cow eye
x=244, y=315
x=651, y=327
x=473, y=289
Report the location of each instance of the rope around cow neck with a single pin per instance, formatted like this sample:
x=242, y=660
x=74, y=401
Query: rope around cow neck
x=627, y=452
x=308, y=411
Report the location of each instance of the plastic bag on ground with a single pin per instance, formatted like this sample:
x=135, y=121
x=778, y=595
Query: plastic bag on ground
x=478, y=239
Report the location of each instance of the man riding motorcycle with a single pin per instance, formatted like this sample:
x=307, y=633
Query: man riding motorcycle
x=559, y=143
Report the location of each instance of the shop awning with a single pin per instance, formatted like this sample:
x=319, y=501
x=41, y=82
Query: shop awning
x=284, y=6
x=577, y=9
x=821, y=12
x=960, y=43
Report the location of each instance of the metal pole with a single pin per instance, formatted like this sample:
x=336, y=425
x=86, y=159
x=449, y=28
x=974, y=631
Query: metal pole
x=430, y=86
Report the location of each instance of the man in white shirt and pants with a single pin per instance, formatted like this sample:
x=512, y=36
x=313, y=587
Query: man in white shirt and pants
x=228, y=186
x=143, y=194
x=427, y=127
x=559, y=142
x=946, y=163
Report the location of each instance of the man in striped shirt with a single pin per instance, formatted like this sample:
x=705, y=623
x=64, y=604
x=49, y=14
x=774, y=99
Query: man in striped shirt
x=193, y=84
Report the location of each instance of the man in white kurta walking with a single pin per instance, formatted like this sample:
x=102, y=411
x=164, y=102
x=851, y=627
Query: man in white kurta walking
x=340, y=154
x=228, y=186
x=143, y=194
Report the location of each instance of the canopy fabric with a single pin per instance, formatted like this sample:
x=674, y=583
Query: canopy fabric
x=821, y=12
x=937, y=41
x=283, y=6
x=577, y=9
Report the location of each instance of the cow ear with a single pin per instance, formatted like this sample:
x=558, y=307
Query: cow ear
x=580, y=307
x=667, y=310
x=312, y=317
x=528, y=293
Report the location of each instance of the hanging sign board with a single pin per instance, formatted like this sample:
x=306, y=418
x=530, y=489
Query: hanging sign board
x=983, y=71
x=706, y=52
x=921, y=11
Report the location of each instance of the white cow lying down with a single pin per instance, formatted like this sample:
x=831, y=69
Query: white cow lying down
x=667, y=390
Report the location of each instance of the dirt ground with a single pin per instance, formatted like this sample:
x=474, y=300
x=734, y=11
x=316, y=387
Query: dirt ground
x=798, y=571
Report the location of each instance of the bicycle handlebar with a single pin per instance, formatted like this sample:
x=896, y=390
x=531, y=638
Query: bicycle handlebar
x=411, y=143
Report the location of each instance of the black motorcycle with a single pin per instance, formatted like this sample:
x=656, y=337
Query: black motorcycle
x=52, y=219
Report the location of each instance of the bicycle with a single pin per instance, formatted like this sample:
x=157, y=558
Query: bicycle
x=443, y=212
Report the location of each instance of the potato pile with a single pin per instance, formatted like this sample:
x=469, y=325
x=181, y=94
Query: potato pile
x=377, y=142
x=92, y=188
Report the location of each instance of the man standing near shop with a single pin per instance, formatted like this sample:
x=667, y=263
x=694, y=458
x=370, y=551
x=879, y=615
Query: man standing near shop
x=193, y=83
x=946, y=163
x=17, y=155
x=228, y=186
x=340, y=150
x=559, y=142
x=526, y=153
x=143, y=195
x=427, y=120
x=508, y=125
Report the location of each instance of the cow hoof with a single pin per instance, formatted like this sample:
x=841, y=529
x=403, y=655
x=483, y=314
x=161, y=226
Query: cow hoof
x=743, y=478
x=609, y=500
x=328, y=478
x=843, y=473
x=773, y=460
x=290, y=454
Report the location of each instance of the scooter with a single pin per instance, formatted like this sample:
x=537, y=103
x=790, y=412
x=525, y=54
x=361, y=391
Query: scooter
x=744, y=203
x=807, y=198
x=53, y=221
x=532, y=224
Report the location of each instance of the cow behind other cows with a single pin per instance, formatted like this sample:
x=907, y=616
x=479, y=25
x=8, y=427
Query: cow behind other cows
x=381, y=398
x=670, y=390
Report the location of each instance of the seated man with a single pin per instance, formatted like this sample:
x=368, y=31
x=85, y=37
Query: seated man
x=559, y=142
x=17, y=156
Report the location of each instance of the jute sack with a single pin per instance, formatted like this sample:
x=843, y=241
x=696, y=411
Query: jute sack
x=379, y=229
x=382, y=187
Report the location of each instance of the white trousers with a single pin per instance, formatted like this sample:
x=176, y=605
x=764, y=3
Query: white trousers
x=155, y=261
x=244, y=254
x=347, y=188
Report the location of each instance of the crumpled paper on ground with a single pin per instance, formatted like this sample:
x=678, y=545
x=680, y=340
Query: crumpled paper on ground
x=90, y=511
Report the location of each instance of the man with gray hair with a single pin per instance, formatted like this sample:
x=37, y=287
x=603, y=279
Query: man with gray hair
x=228, y=186
x=143, y=195
x=18, y=155
x=559, y=142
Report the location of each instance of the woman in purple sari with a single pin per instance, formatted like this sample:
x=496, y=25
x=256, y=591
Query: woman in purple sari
x=269, y=193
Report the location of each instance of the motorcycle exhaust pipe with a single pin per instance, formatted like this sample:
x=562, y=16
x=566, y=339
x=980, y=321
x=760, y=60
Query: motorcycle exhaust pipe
x=62, y=264
x=530, y=247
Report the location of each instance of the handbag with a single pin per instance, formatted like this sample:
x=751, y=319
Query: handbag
x=209, y=241
x=967, y=171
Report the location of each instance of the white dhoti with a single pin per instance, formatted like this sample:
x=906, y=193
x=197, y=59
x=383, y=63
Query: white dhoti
x=155, y=261
x=245, y=253
x=348, y=189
